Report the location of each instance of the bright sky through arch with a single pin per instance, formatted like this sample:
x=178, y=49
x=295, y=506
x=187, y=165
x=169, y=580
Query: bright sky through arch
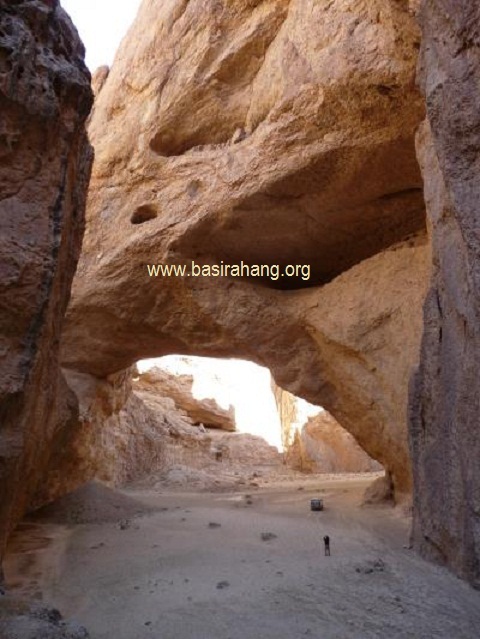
x=101, y=25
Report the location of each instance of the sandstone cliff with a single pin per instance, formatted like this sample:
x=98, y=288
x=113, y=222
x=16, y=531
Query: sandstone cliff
x=300, y=149
x=129, y=431
x=45, y=98
x=179, y=389
x=445, y=402
x=287, y=413
x=317, y=444
x=323, y=446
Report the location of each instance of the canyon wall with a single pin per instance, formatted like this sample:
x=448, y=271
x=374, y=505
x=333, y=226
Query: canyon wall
x=287, y=413
x=445, y=399
x=323, y=446
x=179, y=388
x=45, y=160
x=299, y=150
x=129, y=430
x=317, y=444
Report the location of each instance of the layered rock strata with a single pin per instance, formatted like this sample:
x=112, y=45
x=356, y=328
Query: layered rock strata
x=179, y=388
x=445, y=401
x=323, y=446
x=128, y=432
x=45, y=159
x=299, y=150
x=287, y=413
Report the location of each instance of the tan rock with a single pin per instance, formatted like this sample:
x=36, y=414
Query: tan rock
x=287, y=413
x=291, y=155
x=120, y=436
x=99, y=78
x=45, y=98
x=179, y=388
x=323, y=446
x=247, y=453
x=445, y=401
x=127, y=434
x=380, y=491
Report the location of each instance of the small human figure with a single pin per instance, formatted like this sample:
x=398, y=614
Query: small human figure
x=326, y=541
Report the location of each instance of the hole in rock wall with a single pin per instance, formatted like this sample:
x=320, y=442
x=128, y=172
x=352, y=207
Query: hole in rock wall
x=143, y=214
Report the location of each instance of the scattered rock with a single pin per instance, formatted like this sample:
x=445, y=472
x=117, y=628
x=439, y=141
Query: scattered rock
x=21, y=620
x=267, y=536
x=222, y=584
x=214, y=524
x=369, y=567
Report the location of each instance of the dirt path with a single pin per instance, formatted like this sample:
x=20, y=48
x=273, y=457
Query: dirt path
x=174, y=573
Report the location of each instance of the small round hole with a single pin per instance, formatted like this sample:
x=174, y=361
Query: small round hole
x=143, y=214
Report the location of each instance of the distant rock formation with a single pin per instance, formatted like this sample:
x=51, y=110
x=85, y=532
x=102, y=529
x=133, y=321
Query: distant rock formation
x=130, y=430
x=323, y=446
x=287, y=413
x=320, y=444
x=45, y=98
x=179, y=389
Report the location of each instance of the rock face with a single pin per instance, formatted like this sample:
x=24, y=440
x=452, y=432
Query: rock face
x=45, y=160
x=287, y=413
x=323, y=446
x=128, y=431
x=179, y=389
x=300, y=151
x=445, y=401
x=319, y=444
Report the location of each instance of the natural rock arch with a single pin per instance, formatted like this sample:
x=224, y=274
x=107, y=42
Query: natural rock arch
x=322, y=174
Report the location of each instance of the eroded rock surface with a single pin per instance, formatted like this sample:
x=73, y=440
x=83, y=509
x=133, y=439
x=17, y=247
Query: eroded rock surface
x=300, y=150
x=445, y=394
x=45, y=159
x=179, y=388
x=128, y=431
x=287, y=413
x=323, y=446
x=317, y=444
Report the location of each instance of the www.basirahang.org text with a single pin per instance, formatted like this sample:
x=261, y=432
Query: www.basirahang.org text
x=271, y=271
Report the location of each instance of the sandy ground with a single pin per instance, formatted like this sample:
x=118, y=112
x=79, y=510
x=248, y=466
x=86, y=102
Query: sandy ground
x=143, y=564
